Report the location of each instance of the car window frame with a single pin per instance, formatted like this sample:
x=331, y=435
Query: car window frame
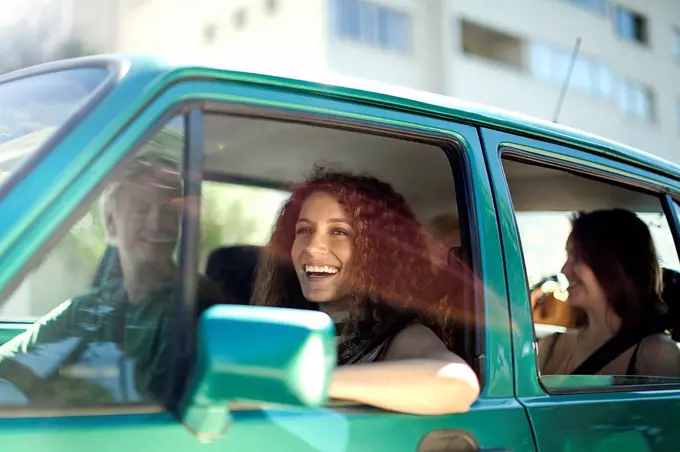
x=454, y=150
x=527, y=159
x=205, y=92
x=374, y=120
x=624, y=181
x=169, y=111
x=674, y=216
x=583, y=162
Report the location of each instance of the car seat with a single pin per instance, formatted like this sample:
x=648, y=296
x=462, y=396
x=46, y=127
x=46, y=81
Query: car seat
x=671, y=296
x=233, y=269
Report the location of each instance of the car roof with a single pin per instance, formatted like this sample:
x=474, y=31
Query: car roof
x=327, y=82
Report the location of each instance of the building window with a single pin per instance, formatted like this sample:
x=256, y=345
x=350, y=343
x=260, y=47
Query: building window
x=676, y=42
x=492, y=45
x=239, y=19
x=677, y=112
x=631, y=25
x=271, y=6
x=210, y=33
x=597, y=6
x=393, y=29
x=582, y=74
x=603, y=80
x=551, y=63
x=637, y=100
x=373, y=24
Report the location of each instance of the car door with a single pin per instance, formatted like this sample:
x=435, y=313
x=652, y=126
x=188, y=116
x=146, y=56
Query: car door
x=62, y=220
x=438, y=164
x=107, y=268
x=538, y=187
x=55, y=231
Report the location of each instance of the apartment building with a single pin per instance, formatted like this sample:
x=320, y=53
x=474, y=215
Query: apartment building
x=513, y=54
x=625, y=83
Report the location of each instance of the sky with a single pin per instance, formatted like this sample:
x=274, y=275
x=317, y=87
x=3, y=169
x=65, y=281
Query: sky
x=9, y=10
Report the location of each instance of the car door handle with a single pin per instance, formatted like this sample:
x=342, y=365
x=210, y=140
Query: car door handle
x=454, y=439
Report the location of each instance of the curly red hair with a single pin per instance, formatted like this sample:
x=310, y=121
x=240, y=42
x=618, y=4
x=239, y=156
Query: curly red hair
x=394, y=268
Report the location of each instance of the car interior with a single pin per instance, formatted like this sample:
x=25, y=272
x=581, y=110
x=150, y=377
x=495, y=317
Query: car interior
x=536, y=188
x=272, y=155
x=250, y=142
x=275, y=154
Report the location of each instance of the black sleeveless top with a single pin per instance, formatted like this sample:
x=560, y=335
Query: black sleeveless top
x=367, y=345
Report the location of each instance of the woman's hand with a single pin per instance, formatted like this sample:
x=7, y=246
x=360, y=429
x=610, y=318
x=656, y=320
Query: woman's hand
x=419, y=376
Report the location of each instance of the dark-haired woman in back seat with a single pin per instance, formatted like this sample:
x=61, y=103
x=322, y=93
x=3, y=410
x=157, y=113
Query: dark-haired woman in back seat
x=615, y=279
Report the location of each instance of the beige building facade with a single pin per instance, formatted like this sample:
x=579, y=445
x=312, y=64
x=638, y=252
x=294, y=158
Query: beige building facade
x=625, y=84
x=512, y=54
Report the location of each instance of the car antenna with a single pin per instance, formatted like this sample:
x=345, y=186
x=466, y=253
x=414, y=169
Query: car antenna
x=567, y=78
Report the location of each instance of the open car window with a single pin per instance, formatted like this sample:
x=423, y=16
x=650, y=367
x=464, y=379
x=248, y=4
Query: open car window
x=545, y=201
x=252, y=165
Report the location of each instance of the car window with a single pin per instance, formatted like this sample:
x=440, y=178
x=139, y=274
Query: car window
x=108, y=343
x=235, y=214
x=251, y=167
x=546, y=201
x=676, y=207
x=32, y=108
x=544, y=234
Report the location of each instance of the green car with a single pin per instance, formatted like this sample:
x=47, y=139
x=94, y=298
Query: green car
x=498, y=188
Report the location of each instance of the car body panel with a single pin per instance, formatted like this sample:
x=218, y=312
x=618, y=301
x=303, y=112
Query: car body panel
x=10, y=329
x=150, y=91
x=606, y=420
x=142, y=103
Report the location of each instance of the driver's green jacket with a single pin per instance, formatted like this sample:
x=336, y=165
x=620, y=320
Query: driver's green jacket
x=95, y=348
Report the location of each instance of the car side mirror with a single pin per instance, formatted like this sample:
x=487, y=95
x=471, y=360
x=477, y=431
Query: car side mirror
x=257, y=354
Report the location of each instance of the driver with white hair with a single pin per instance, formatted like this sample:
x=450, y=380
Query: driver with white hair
x=113, y=343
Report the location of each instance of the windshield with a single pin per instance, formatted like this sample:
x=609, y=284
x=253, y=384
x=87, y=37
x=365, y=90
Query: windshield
x=34, y=107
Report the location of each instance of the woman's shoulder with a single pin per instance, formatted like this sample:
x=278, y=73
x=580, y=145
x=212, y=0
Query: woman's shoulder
x=417, y=332
x=550, y=340
x=659, y=342
x=659, y=355
x=414, y=341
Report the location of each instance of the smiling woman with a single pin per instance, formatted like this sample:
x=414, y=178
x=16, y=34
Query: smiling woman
x=615, y=280
x=322, y=250
x=358, y=253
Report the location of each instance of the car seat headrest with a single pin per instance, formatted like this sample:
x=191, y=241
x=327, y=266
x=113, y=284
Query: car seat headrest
x=233, y=268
